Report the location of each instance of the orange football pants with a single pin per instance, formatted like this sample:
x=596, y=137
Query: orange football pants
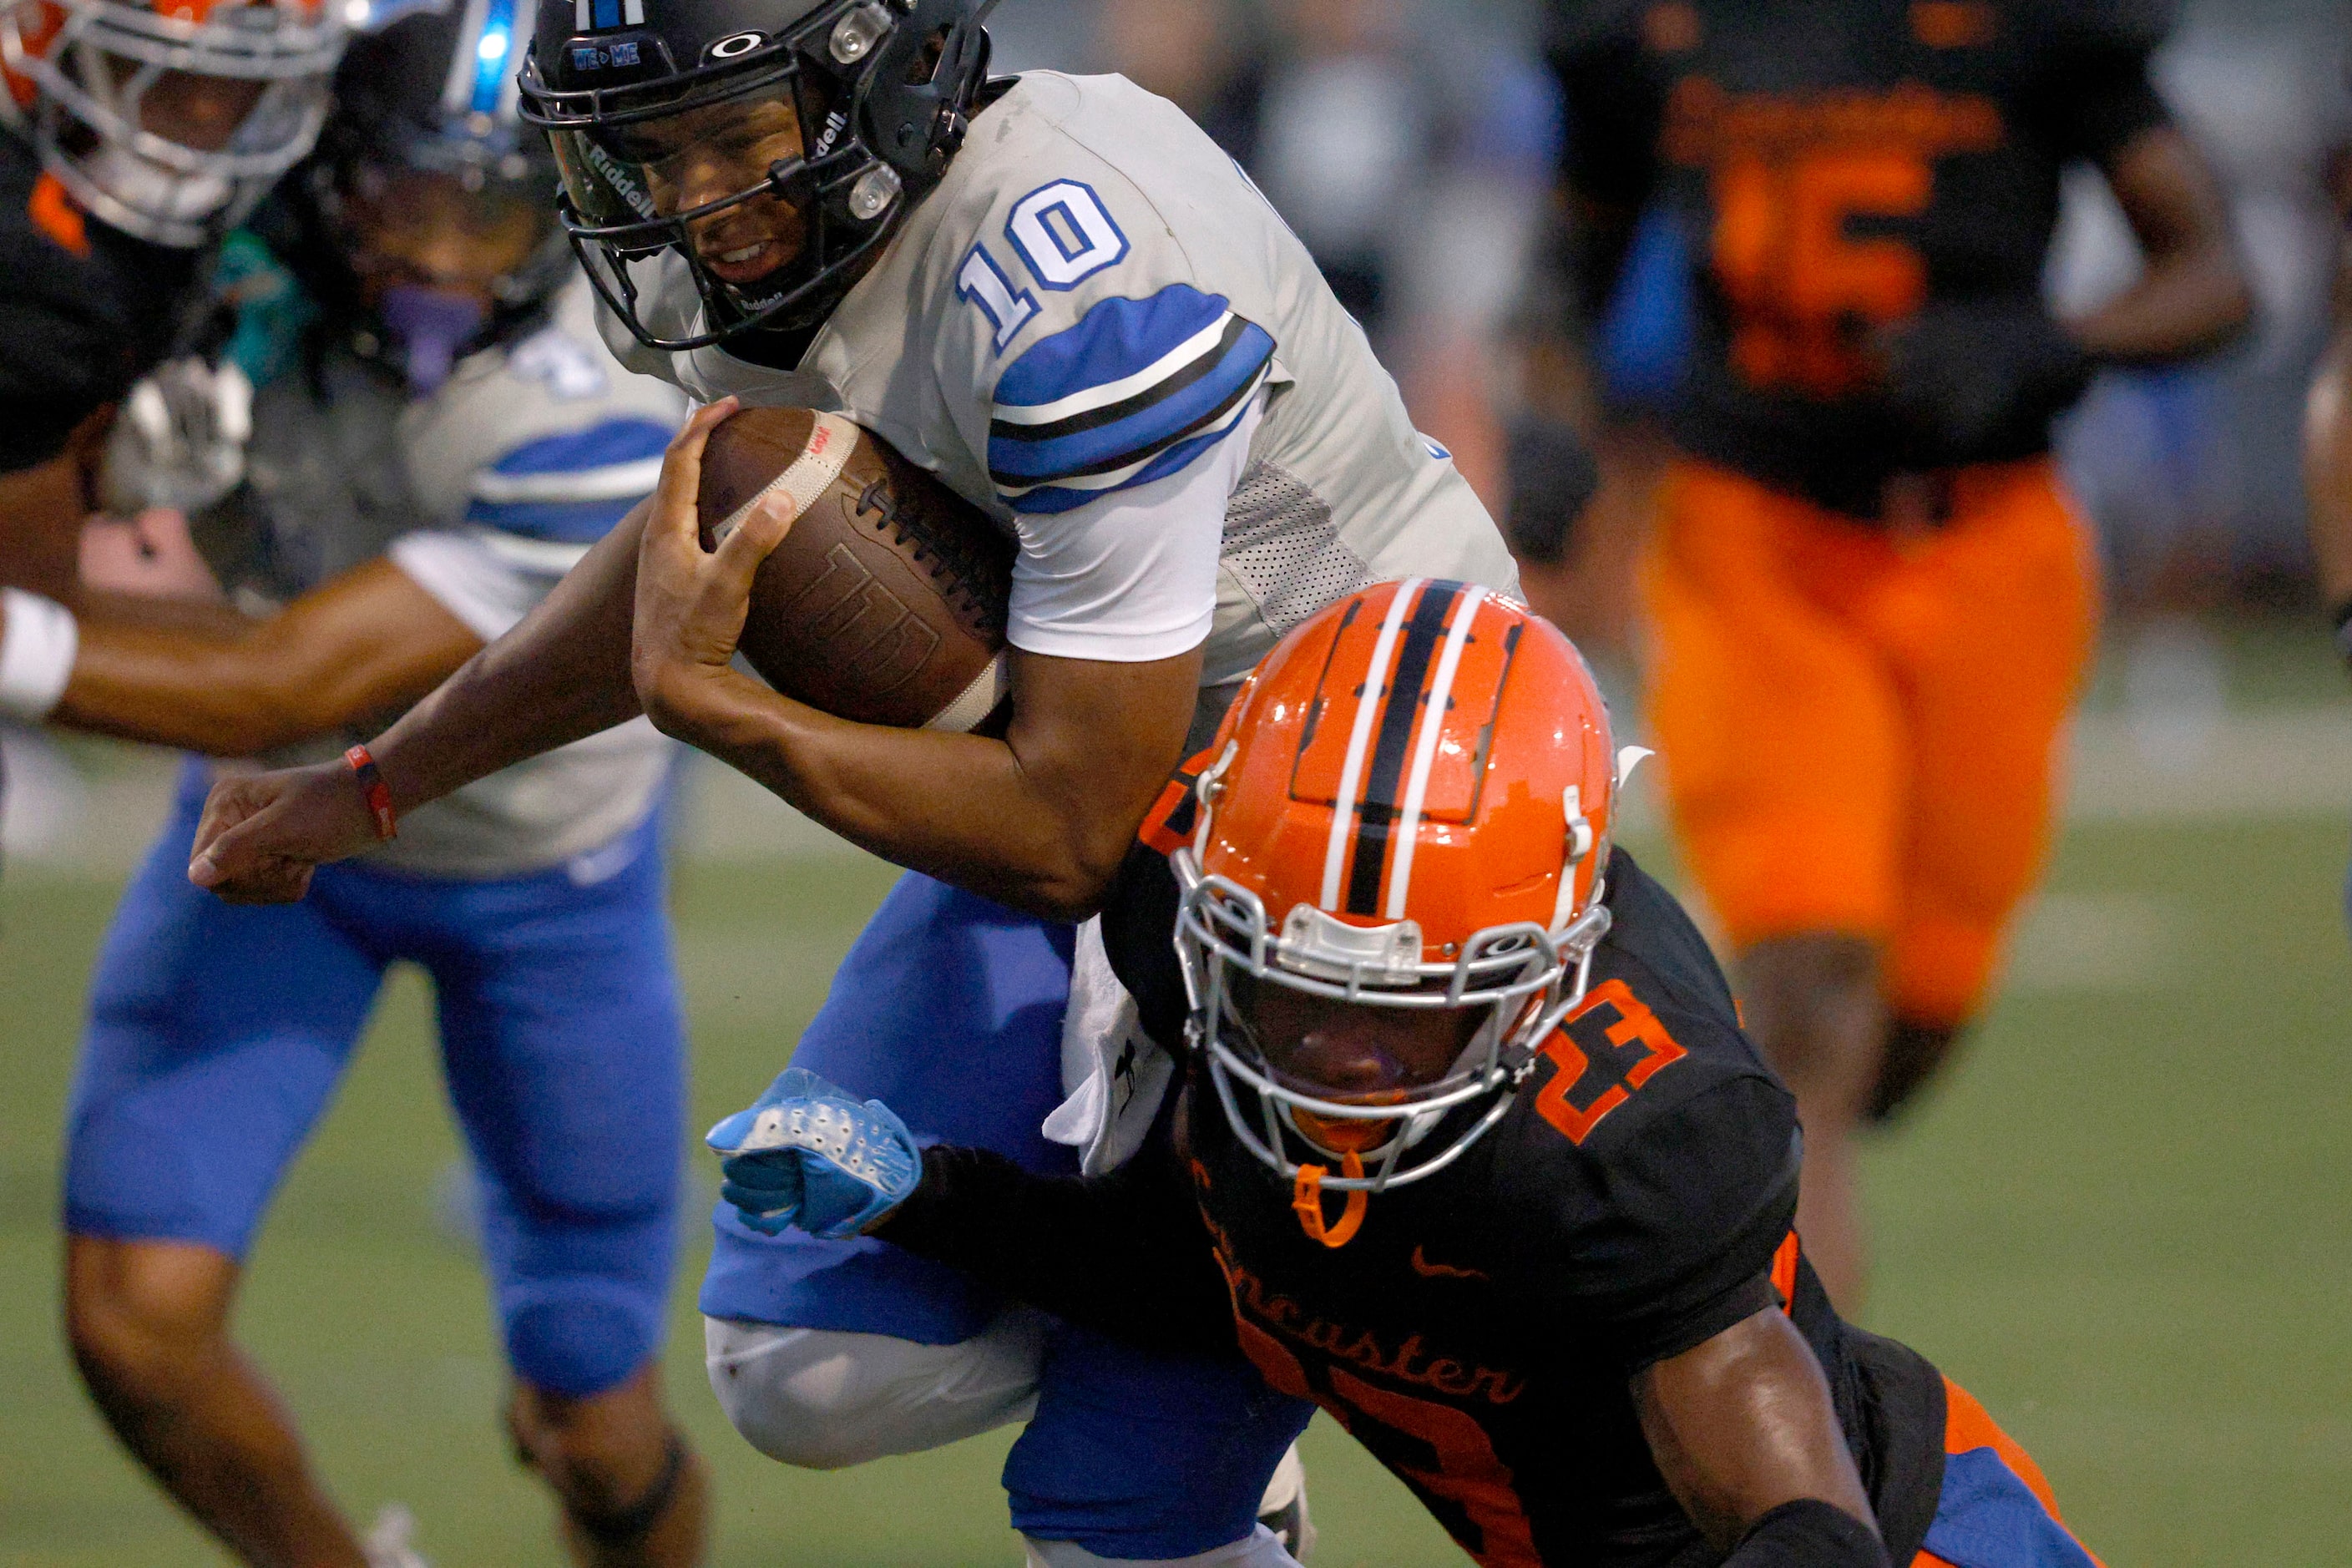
x=1858, y=731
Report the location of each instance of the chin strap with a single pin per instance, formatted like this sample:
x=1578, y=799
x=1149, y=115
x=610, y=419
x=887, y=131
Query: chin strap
x=1307, y=1198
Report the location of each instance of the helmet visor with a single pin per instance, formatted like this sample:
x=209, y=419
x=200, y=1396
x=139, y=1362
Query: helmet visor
x=1324, y=1050
x=440, y=229
x=732, y=173
x=1346, y=1052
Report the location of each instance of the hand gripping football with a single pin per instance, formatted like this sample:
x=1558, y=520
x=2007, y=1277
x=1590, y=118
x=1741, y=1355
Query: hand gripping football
x=885, y=603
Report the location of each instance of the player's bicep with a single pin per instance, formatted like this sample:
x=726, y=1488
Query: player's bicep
x=1129, y=574
x=1743, y=1423
x=368, y=640
x=1095, y=740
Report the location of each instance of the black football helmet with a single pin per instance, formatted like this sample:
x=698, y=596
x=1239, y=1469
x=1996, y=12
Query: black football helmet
x=438, y=199
x=773, y=144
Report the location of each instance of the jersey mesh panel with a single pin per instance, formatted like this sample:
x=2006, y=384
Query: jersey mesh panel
x=1282, y=546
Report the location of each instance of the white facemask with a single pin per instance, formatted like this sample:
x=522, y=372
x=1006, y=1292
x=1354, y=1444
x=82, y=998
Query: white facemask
x=154, y=191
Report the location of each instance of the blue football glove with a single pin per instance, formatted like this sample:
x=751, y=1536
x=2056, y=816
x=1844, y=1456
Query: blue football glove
x=805, y=1153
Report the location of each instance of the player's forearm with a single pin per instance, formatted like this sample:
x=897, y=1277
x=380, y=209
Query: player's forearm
x=2186, y=305
x=962, y=809
x=206, y=679
x=225, y=697
x=41, y=513
x=2327, y=469
x=1125, y=1253
x=560, y=675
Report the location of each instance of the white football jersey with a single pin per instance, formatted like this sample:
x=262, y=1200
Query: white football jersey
x=485, y=493
x=1097, y=331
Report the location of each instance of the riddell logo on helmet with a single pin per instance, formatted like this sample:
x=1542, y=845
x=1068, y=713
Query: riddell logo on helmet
x=835, y=124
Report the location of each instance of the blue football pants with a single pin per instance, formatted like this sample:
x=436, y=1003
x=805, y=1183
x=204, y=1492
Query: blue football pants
x=218, y=1034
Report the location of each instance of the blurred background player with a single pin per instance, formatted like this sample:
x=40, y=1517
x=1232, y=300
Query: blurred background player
x=1196, y=449
x=442, y=440
x=1489, y=1170
x=137, y=136
x=1869, y=601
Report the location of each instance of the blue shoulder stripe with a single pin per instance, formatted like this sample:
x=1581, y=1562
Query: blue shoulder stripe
x=1118, y=436
x=1052, y=498
x=1116, y=339
x=571, y=487
x=574, y=485
x=1113, y=435
x=599, y=446
x=1131, y=379
x=558, y=521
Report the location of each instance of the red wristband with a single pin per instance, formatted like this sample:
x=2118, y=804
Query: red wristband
x=372, y=784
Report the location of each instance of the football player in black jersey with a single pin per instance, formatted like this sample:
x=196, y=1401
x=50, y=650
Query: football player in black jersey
x=1559, y=1296
x=1869, y=600
x=133, y=134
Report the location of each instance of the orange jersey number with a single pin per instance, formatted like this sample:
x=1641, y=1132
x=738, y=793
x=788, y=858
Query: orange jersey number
x=1803, y=291
x=1587, y=1084
x=1451, y=1460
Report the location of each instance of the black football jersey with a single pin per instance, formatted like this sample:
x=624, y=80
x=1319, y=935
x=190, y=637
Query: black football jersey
x=1479, y=1333
x=85, y=310
x=1833, y=166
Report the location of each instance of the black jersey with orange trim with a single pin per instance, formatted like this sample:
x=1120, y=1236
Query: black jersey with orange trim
x=1834, y=166
x=85, y=310
x=1479, y=1331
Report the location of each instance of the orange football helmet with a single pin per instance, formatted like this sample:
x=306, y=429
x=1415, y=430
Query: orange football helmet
x=1407, y=807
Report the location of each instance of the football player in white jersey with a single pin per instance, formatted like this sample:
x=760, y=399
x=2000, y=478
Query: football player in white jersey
x=1058, y=296
x=449, y=436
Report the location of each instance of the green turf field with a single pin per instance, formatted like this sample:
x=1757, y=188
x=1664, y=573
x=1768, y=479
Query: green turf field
x=2125, y=1225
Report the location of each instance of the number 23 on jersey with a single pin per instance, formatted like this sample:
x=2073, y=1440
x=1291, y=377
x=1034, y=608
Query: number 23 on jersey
x=1602, y=1056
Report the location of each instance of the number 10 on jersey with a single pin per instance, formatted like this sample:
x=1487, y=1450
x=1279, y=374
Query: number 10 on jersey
x=1063, y=235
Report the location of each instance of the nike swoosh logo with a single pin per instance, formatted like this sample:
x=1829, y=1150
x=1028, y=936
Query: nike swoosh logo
x=1428, y=1271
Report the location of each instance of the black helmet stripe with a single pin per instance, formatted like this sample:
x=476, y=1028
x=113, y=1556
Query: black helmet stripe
x=1424, y=629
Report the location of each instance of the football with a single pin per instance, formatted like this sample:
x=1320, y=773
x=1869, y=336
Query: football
x=886, y=603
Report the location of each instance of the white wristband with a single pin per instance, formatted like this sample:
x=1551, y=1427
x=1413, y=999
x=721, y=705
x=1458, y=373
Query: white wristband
x=37, y=654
